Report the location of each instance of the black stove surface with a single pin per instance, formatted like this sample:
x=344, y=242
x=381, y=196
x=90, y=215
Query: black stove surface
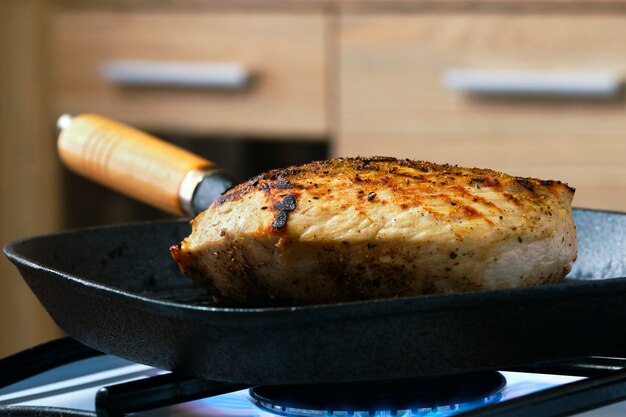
x=76, y=389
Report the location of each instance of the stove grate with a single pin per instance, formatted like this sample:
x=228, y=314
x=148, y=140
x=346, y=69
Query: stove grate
x=606, y=384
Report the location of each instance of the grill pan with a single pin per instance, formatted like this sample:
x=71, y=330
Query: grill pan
x=115, y=289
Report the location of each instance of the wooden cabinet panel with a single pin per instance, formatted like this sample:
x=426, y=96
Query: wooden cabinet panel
x=29, y=172
x=286, y=54
x=393, y=100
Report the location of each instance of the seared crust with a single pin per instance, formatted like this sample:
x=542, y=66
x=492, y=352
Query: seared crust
x=361, y=228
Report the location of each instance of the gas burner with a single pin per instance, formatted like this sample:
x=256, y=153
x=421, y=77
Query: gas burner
x=405, y=397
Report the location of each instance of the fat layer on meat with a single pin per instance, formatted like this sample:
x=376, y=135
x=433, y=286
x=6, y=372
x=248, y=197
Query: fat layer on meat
x=363, y=228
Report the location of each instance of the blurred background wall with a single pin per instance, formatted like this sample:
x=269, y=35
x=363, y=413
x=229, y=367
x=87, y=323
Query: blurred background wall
x=443, y=81
x=30, y=202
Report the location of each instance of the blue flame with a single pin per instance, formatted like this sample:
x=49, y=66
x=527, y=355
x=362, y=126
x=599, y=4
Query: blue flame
x=240, y=404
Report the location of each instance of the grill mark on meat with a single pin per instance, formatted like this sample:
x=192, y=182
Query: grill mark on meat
x=468, y=196
x=552, y=184
x=472, y=212
x=405, y=177
x=487, y=182
x=435, y=213
x=283, y=208
x=280, y=221
x=484, y=202
x=274, y=180
x=288, y=203
x=235, y=194
x=284, y=184
x=525, y=182
x=456, y=207
x=513, y=199
x=278, y=184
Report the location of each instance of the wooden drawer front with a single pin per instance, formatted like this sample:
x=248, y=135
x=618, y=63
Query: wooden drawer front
x=286, y=55
x=393, y=101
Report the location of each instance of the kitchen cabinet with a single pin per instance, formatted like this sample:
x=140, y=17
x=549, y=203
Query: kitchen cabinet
x=394, y=101
x=280, y=59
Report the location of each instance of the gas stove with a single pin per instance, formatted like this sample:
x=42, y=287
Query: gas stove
x=65, y=378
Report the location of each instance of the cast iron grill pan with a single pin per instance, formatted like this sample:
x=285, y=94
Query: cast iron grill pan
x=116, y=289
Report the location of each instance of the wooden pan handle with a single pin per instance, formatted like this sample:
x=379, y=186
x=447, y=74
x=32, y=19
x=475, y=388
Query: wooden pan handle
x=129, y=161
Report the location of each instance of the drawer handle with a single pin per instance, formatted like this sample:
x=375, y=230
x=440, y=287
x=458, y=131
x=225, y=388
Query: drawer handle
x=533, y=83
x=212, y=75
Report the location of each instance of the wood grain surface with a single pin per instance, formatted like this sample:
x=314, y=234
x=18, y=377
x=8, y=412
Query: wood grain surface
x=350, y=6
x=286, y=54
x=393, y=101
x=129, y=161
x=29, y=175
